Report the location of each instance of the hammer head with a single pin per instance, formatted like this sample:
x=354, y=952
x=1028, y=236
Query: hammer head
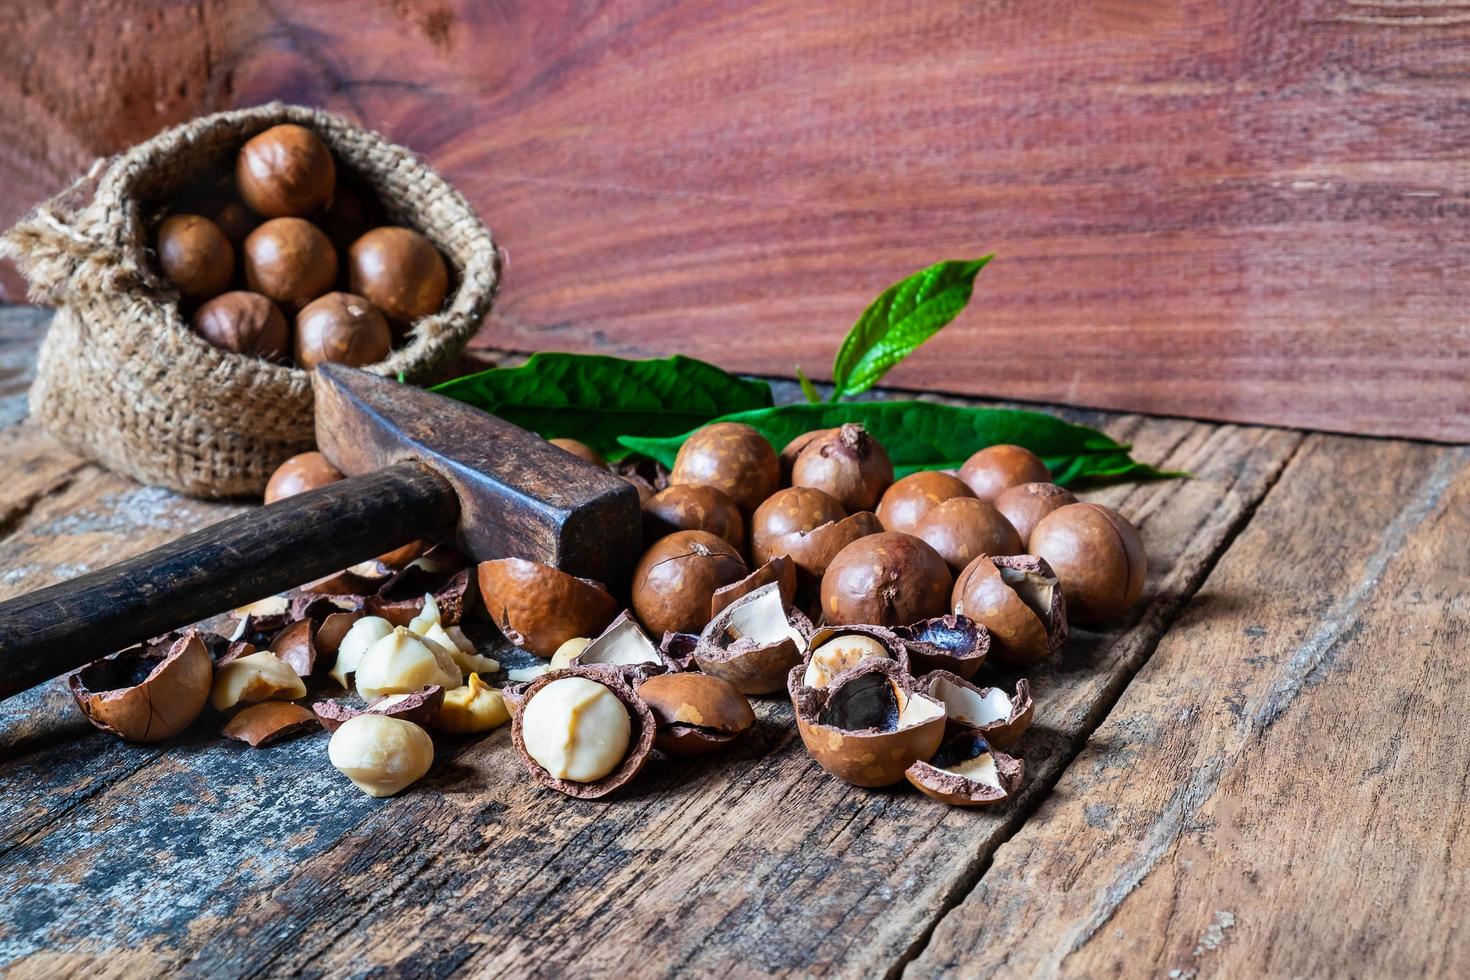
x=519, y=496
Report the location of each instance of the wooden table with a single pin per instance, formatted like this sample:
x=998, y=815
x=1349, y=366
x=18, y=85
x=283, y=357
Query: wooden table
x=1262, y=771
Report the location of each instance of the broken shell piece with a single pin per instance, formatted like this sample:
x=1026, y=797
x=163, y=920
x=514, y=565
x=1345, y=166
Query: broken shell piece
x=319, y=607
x=569, y=651
x=295, y=646
x=1017, y=599
x=348, y=582
x=333, y=630
x=146, y=693
x=835, y=649
x=475, y=707
x=257, y=677
x=695, y=713
x=624, y=646
x=780, y=569
x=954, y=643
x=401, y=599
x=514, y=693
x=360, y=636
x=966, y=771
x=559, y=724
x=539, y=607
x=869, y=725
x=814, y=550
x=234, y=652
x=678, y=649
x=419, y=707
x=989, y=711
x=270, y=721
x=754, y=642
x=403, y=662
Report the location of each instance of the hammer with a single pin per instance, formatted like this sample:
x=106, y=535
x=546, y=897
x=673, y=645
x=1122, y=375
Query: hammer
x=419, y=466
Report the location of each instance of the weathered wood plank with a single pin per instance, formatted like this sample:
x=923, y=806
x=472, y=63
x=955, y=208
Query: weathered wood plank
x=1283, y=790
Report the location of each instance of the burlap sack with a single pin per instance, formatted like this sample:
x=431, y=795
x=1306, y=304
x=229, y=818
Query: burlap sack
x=123, y=380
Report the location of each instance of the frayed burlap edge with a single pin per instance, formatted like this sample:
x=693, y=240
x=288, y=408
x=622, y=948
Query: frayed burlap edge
x=121, y=378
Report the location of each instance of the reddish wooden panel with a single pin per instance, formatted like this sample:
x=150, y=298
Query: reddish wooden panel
x=1240, y=209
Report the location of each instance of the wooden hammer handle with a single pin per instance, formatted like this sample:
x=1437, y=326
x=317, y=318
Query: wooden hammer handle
x=239, y=560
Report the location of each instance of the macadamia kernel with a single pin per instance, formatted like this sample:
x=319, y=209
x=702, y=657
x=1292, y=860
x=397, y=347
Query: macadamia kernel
x=476, y=707
x=403, y=662
x=257, y=677
x=567, y=651
x=381, y=755
x=576, y=729
x=840, y=653
x=363, y=634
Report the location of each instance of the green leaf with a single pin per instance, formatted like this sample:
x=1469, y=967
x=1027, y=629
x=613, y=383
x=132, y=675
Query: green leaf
x=807, y=388
x=927, y=436
x=596, y=398
x=904, y=316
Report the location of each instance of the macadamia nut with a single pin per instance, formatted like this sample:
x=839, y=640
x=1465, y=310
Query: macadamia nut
x=476, y=707
x=255, y=677
x=576, y=729
x=381, y=755
x=840, y=653
x=363, y=634
x=403, y=662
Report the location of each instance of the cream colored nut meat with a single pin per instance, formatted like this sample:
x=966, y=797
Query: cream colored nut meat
x=363, y=634
x=403, y=662
x=571, y=648
x=476, y=707
x=257, y=677
x=576, y=729
x=381, y=755
x=840, y=653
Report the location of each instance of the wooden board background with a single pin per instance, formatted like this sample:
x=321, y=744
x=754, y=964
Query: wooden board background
x=1238, y=209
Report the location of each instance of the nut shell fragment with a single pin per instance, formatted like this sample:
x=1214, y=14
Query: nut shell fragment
x=640, y=740
x=988, y=711
x=625, y=648
x=539, y=607
x=695, y=713
x=754, y=642
x=966, y=771
x=146, y=694
x=952, y=642
x=296, y=646
x=270, y=721
x=1018, y=600
x=419, y=707
x=781, y=570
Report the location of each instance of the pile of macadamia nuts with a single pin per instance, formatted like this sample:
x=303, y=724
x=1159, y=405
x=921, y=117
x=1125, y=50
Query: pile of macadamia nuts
x=873, y=604
x=288, y=260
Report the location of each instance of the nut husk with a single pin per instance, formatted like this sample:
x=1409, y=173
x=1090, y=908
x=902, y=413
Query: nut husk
x=781, y=570
x=888, y=579
x=695, y=713
x=539, y=607
x=943, y=778
x=754, y=642
x=146, y=693
x=869, y=725
x=640, y=742
x=675, y=581
x=270, y=721
x=1018, y=600
x=988, y=711
x=950, y=642
x=419, y=707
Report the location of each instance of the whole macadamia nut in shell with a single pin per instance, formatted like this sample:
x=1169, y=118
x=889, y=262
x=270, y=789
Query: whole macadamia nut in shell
x=290, y=261
x=848, y=464
x=906, y=502
x=196, y=256
x=886, y=579
x=302, y=472
x=285, y=171
x=1098, y=556
x=793, y=511
x=676, y=579
x=962, y=528
x=1024, y=506
x=693, y=507
x=341, y=328
x=244, y=323
x=995, y=469
x=732, y=457
x=400, y=271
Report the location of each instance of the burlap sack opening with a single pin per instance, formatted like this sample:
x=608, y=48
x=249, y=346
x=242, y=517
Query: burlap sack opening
x=122, y=379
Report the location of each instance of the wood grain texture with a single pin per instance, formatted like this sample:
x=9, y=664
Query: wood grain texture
x=1282, y=791
x=1239, y=210
x=208, y=858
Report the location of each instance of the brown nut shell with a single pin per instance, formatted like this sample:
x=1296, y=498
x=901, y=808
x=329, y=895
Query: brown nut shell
x=906, y=502
x=754, y=642
x=196, y=256
x=539, y=607
x=887, y=638
x=625, y=648
x=848, y=464
x=305, y=471
x=146, y=693
x=693, y=507
x=419, y=707
x=987, y=711
x=640, y=742
x=290, y=261
x=340, y=328
x=781, y=570
x=401, y=598
x=1018, y=599
x=400, y=271
x=296, y=645
x=580, y=450
x=285, y=171
x=270, y=721
x=869, y=725
x=1098, y=556
x=333, y=630
x=244, y=323
x=963, y=528
x=789, y=513
x=732, y=457
x=887, y=579
x=675, y=581
x=946, y=643
x=995, y=469
x=695, y=713
x=1024, y=506
x=941, y=779
x=793, y=449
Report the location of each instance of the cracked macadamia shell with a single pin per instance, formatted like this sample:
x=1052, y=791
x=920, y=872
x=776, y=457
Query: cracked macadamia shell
x=146, y=693
x=1097, y=555
x=995, y=469
x=781, y=570
x=695, y=713
x=869, y=725
x=846, y=463
x=967, y=771
x=754, y=642
x=885, y=579
x=693, y=507
x=962, y=528
x=549, y=723
x=949, y=642
x=906, y=502
x=990, y=711
x=623, y=647
x=676, y=579
x=732, y=457
x=1024, y=506
x=1018, y=600
x=834, y=650
x=270, y=721
x=539, y=607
